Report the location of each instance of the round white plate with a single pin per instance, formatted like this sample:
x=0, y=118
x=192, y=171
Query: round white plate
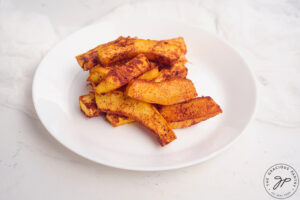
x=215, y=68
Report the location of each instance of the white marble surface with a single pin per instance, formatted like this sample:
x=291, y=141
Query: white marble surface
x=35, y=166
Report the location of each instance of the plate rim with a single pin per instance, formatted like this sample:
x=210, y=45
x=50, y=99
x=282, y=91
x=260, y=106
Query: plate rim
x=164, y=168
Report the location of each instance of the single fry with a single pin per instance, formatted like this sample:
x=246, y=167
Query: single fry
x=117, y=120
x=198, y=109
x=118, y=103
x=88, y=105
x=167, y=92
x=123, y=74
x=164, y=51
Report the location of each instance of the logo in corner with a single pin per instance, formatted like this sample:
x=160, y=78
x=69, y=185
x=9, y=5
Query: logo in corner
x=281, y=181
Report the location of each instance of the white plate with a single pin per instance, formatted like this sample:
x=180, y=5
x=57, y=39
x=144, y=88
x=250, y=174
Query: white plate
x=216, y=70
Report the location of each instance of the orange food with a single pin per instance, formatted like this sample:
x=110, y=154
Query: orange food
x=164, y=51
x=151, y=74
x=145, y=81
x=164, y=93
x=97, y=74
x=118, y=103
x=123, y=74
x=117, y=120
x=196, y=110
x=88, y=105
x=177, y=69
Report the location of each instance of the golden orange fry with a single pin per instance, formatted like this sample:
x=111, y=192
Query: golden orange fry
x=164, y=93
x=118, y=103
x=88, y=105
x=184, y=114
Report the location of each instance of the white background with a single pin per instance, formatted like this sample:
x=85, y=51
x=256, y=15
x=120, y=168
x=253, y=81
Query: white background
x=35, y=166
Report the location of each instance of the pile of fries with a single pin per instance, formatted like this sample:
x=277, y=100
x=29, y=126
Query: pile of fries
x=145, y=81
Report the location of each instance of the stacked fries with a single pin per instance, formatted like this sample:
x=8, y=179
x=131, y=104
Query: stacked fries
x=145, y=81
